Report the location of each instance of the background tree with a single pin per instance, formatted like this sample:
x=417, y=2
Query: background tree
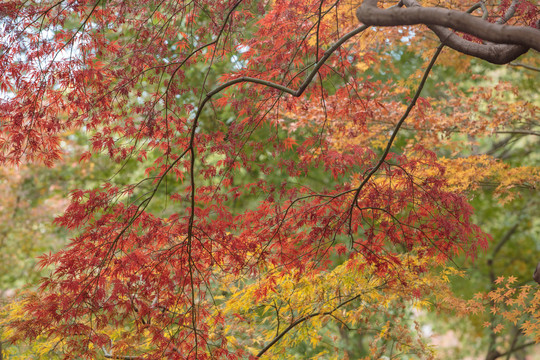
x=277, y=169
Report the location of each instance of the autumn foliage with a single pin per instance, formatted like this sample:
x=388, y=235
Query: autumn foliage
x=274, y=172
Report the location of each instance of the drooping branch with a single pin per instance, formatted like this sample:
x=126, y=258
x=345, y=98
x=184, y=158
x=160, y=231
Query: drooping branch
x=404, y=117
x=301, y=320
x=508, y=42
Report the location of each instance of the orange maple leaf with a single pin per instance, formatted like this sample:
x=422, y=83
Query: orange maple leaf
x=289, y=142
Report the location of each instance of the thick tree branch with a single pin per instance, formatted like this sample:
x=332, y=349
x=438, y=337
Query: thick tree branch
x=510, y=41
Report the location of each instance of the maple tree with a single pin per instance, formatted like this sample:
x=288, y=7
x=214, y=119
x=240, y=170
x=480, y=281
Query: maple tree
x=270, y=174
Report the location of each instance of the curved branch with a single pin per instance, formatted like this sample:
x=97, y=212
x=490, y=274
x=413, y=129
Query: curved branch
x=301, y=320
x=510, y=41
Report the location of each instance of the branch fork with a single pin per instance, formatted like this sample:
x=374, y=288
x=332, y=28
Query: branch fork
x=506, y=42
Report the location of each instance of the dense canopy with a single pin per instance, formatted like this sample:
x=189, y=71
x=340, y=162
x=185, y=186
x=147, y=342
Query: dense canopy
x=267, y=176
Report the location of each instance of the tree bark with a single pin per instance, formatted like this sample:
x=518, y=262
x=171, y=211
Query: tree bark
x=509, y=41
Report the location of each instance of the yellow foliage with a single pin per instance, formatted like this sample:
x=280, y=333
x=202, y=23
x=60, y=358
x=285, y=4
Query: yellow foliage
x=351, y=293
x=468, y=174
x=41, y=348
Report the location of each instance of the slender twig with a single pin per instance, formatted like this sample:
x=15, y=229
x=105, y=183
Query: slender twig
x=517, y=348
x=513, y=63
x=397, y=127
x=301, y=320
x=519, y=132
